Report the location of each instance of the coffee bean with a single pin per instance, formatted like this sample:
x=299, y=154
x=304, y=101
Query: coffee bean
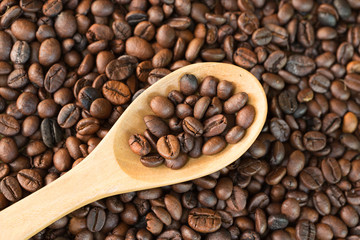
x=120, y=69
x=275, y=61
x=116, y=92
x=17, y=78
x=305, y=229
x=87, y=126
x=49, y=51
x=30, y=180
x=178, y=162
x=314, y=141
x=55, y=77
x=193, y=126
x=20, y=52
x=331, y=170
x=68, y=115
x=168, y=147
x=300, y=65
x=152, y=160
x=204, y=220
x=188, y=84
x=156, y=126
x=214, y=145
x=139, y=145
x=245, y=58
x=312, y=177
x=215, y=125
x=235, y=103
x=11, y=189
x=162, y=107
x=261, y=36
x=9, y=126
x=95, y=220
x=51, y=132
x=245, y=116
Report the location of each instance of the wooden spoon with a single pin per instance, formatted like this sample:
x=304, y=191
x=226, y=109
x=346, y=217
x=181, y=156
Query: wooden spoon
x=112, y=168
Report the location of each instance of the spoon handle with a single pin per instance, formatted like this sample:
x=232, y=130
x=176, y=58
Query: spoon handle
x=87, y=182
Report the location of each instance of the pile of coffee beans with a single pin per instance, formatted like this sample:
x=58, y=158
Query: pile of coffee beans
x=69, y=68
x=204, y=119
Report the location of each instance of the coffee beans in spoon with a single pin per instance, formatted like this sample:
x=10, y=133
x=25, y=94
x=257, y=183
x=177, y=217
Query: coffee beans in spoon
x=198, y=119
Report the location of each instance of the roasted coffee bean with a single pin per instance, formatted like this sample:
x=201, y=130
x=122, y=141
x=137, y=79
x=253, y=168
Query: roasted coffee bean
x=245, y=58
x=193, y=126
x=214, y=145
x=178, y=162
x=156, y=126
x=245, y=117
x=152, y=160
x=314, y=141
x=55, y=78
x=120, y=69
x=68, y=115
x=162, y=107
x=331, y=170
x=287, y=102
x=95, y=220
x=186, y=141
x=300, y=65
x=188, y=84
x=312, y=177
x=9, y=126
x=139, y=145
x=116, y=92
x=235, y=103
x=30, y=180
x=215, y=125
x=305, y=230
x=20, y=52
x=168, y=147
x=204, y=220
x=87, y=126
x=18, y=78
x=51, y=132
x=11, y=189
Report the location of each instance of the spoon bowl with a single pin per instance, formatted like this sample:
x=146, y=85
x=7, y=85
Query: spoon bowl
x=112, y=168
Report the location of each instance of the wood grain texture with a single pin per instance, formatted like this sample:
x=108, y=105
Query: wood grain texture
x=112, y=168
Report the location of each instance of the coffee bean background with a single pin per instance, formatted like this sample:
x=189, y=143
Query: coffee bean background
x=69, y=68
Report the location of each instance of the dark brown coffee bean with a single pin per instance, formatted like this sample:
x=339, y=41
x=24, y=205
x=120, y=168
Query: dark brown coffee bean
x=305, y=230
x=116, y=92
x=120, y=69
x=245, y=116
x=245, y=58
x=87, y=126
x=51, y=132
x=9, y=126
x=20, y=52
x=235, y=103
x=300, y=65
x=168, y=147
x=96, y=219
x=208, y=86
x=214, y=145
x=17, y=78
x=314, y=141
x=162, y=107
x=188, y=84
x=331, y=170
x=337, y=226
x=261, y=36
x=156, y=126
x=50, y=51
x=6, y=46
x=68, y=115
x=312, y=177
x=139, y=145
x=201, y=107
x=193, y=126
x=275, y=61
x=204, y=220
x=11, y=189
x=11, y=14
x=152, y=160
x=178, y=162
x=30, y=180
x=55, y=77
x=215, y=125
x=186, y=141
x=321, y=203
